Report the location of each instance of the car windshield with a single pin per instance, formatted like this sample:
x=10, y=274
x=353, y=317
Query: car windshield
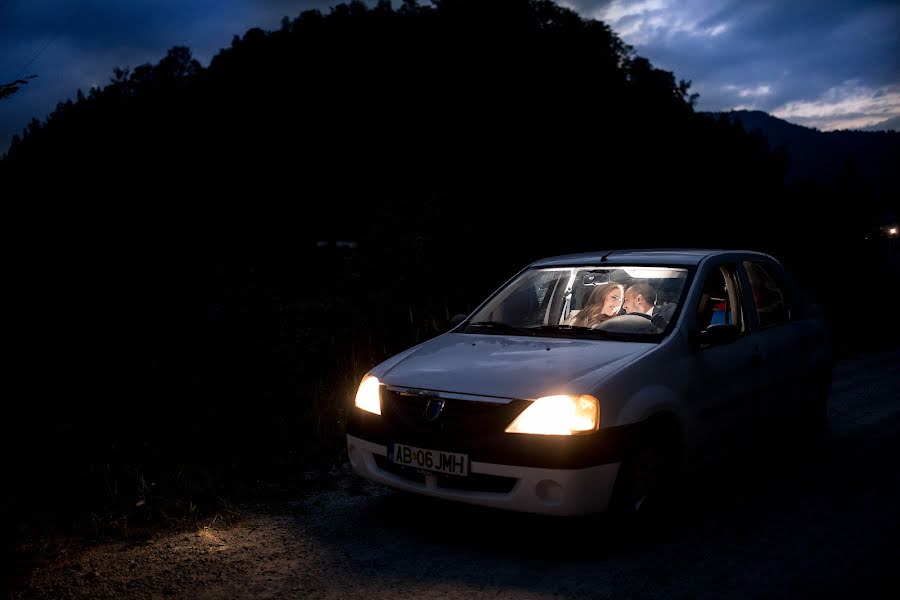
x=602, y=302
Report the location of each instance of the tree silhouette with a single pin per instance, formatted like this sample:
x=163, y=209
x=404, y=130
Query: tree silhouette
x=184, y=221
x=8, y=89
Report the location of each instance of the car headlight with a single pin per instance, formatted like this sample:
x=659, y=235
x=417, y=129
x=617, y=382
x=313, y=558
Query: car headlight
x=368, y=396
x=558, y=415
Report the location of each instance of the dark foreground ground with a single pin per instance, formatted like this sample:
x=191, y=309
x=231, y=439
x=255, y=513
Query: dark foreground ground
x=770, y=525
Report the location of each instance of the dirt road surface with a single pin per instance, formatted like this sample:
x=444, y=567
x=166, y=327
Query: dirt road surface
x=771, y=525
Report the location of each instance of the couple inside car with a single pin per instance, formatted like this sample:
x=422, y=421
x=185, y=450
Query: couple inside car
x=611, y=299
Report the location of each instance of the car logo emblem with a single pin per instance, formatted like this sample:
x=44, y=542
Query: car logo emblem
x=434, y=408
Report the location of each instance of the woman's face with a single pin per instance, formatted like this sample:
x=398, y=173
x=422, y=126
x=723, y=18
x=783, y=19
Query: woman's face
x=613, y=301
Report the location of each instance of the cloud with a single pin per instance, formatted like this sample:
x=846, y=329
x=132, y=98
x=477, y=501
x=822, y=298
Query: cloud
x=769, y=54
x=760, y=91
x=848, y=106
x=642, y=21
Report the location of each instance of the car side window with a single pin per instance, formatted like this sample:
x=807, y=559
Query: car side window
x=769, y=296
x=720, y=301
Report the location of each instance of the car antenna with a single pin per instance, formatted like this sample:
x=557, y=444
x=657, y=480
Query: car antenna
x=603, y=258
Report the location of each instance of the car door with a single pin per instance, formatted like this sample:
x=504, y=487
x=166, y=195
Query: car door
x=726, y=382
x=784, y=340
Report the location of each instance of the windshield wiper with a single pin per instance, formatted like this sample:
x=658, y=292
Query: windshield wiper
x=501, y=327
x=574, y=329
x=591, y=333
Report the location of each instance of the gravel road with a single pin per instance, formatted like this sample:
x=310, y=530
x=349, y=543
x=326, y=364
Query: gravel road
x=771, y=526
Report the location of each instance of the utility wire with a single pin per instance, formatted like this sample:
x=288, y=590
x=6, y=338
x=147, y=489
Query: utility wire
x=52, y=39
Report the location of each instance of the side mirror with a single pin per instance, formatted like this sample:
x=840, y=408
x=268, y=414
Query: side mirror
x=718, y=335
x=456, y=320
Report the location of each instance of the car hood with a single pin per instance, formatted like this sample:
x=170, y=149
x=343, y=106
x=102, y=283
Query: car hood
x=508, y=366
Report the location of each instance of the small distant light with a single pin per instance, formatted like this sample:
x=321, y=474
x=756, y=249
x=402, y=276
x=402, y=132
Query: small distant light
x=892, y=231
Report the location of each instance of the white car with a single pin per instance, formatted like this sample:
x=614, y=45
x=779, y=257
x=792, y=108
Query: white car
x=547, y=400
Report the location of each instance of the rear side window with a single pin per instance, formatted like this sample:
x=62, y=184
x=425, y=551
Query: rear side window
x=769, y=294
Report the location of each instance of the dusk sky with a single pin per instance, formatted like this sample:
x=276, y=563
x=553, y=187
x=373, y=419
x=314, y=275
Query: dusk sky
x=830, y=64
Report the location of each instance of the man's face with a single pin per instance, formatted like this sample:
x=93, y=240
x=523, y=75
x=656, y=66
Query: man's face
x=632, y=302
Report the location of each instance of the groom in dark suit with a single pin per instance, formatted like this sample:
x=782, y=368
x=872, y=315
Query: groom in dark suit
x=641, y=299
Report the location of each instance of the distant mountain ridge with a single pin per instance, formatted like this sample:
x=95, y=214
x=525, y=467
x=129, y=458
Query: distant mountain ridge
x=829, y=157
x=892, y=123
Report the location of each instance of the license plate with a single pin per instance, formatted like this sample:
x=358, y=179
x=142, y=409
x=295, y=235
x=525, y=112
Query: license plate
x=430, y=460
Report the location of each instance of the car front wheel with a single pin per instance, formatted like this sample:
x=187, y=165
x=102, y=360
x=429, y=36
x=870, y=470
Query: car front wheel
x=648, y=477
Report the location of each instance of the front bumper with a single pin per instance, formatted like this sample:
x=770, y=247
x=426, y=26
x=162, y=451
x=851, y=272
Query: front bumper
x=549, y=474
x=521, y=488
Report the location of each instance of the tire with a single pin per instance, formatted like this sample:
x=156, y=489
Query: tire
x=645, y=489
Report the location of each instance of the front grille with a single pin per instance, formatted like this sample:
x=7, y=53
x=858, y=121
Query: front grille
x=412, y=406
x=474, y=482
x=458, y=419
